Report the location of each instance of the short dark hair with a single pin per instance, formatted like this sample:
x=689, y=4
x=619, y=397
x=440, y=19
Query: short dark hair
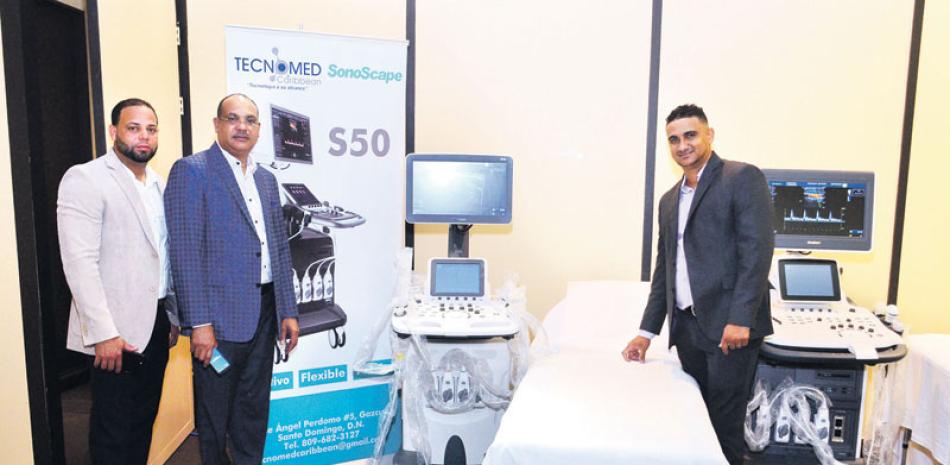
x=130, y=102
x=688, y=110
x=236, y=94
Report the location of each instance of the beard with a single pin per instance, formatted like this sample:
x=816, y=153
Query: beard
x=131, y=154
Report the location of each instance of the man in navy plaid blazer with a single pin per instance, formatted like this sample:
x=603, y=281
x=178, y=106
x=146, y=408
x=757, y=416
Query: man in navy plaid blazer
x=231, y=265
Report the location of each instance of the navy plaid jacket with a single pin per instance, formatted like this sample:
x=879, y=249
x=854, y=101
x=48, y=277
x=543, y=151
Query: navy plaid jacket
x=215, y=251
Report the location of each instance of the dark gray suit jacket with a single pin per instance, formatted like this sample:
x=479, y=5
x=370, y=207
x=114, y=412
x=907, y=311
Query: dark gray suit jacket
x=728, y=243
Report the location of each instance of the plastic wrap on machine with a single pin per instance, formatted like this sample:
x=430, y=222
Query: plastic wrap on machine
x=424, y=381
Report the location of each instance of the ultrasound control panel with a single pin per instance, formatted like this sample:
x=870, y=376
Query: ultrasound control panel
x=829, y=327
x=810, y=312
x=317, y=212
x=455, y=304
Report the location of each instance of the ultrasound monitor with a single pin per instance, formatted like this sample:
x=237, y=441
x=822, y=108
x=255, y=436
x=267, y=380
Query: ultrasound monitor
x=291, y=135
x=822, y=210
x=458, y=189
x=456, y=277
x=808, y=280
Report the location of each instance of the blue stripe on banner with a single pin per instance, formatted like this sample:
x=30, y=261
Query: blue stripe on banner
x=322, y=375
x=281, y=381
x=329, y=427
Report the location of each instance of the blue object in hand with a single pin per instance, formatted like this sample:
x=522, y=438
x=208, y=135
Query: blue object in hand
x=218, y=362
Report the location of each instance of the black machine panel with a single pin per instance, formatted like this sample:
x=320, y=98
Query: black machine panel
x=845, y=389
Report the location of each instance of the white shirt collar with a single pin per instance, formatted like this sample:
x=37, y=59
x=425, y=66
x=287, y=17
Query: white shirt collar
x=236, y=164
x=699, y=175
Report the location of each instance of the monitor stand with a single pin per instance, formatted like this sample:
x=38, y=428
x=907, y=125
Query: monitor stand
x=458, y=240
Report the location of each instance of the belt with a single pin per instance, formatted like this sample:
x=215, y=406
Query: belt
x=266, y=288
x=688, y=310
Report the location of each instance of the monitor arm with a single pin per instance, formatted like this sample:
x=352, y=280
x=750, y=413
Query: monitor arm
x=458, y=240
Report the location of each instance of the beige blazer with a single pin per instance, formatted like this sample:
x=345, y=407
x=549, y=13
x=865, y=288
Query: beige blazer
x=110, y=256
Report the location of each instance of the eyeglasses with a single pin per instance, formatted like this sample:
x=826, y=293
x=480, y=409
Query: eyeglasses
x=233, y=119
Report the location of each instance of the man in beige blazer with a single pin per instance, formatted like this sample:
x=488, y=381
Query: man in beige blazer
x=114, y=243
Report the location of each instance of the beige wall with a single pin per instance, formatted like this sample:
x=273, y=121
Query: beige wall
x=786, y=86
x=140, y=59
x=562, y=88
x=16, y=442
x=926, y=251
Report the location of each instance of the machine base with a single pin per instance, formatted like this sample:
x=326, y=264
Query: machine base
x=845, y=388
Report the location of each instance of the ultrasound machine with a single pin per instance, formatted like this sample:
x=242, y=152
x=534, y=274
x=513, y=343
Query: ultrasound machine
x=310, y=224
x=456, y=312
x=821, y=337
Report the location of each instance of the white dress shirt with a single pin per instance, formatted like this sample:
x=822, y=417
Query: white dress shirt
x=252, y=198
x=150, y=192
x=684, y=295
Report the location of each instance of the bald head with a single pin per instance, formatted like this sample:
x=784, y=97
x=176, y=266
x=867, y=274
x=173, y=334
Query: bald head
x=237, y=95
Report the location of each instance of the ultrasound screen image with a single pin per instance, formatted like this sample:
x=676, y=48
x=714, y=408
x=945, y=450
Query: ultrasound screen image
x=291, y=135
x=818, y=208
x=460, y=189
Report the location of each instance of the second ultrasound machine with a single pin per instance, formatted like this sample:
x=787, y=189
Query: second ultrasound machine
x=455, y=311
x=821, y=337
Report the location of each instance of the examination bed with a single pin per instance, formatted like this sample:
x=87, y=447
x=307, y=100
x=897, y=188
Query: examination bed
x=583, y=404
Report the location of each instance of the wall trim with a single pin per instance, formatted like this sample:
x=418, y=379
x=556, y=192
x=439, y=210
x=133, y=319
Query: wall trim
x=910, y=98
x=410, y=234
x=650, y=167
x=184, y=76
x=94, y=58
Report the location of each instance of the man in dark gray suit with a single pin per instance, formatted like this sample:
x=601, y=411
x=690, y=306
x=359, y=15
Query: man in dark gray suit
x=711, y=278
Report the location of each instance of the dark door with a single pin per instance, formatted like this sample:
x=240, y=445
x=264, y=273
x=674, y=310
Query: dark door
x=48, y=92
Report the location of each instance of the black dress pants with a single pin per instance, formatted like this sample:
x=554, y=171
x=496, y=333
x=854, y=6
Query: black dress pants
x=724, y=380
x=124, y=405
x=234, y=405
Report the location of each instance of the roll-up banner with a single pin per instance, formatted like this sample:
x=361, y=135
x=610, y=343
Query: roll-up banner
x=332, y=113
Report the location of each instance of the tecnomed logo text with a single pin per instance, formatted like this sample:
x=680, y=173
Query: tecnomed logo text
x=281, y=71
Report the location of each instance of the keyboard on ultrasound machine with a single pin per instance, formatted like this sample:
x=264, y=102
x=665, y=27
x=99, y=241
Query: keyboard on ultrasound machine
x=442, y=313
x=454, y=317
x=828, y=325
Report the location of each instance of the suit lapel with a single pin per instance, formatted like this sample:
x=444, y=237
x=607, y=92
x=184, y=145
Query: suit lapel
x=221, y=169
x=672, y=221
x=710, y=173
x=131, y=193
x=263, y=192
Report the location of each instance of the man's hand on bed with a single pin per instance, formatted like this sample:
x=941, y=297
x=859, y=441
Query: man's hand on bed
x=733, y=337
x=636, y=350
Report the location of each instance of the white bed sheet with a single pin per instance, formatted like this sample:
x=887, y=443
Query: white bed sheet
x=585, y=405
x=921, y=393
